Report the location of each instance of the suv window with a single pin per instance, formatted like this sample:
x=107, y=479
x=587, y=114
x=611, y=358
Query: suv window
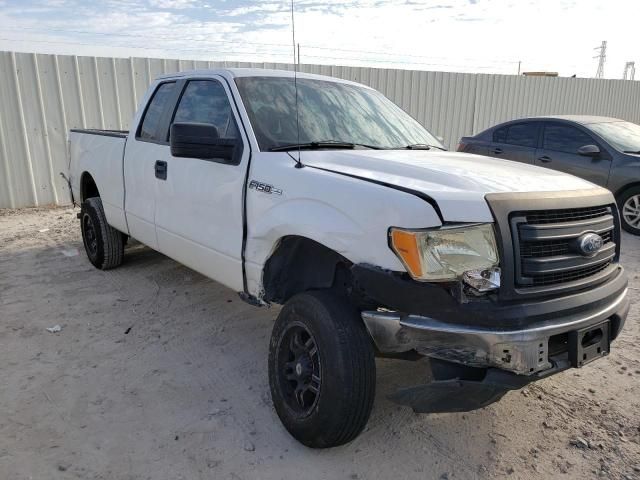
x=564, y=138
x=522, y=134
x=205, y=101
x=153, y=115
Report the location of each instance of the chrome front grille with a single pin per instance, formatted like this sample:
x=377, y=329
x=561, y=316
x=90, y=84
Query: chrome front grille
x=546, y=244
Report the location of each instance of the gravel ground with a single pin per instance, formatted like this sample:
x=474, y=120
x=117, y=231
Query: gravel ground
x=160, y=373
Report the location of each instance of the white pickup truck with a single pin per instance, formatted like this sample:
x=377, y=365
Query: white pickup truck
x=323, y=196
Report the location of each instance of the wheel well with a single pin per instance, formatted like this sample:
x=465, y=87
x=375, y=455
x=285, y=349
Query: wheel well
x=88, y=187
x=625, y=188
x=299, y=264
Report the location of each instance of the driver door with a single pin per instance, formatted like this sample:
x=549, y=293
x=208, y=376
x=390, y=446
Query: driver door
x=199, y=203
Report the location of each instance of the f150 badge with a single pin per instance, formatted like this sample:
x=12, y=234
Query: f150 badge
x=264, y=187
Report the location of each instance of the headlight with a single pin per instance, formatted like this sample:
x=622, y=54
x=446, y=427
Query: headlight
x=468, y=253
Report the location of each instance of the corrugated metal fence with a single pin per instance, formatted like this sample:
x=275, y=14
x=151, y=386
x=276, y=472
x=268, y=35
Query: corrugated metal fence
x=43, y=96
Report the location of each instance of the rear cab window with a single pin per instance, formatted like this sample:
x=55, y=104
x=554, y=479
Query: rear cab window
x=151, y=123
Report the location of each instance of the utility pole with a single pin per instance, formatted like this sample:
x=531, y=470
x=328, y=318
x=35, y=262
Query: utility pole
x=602, y=56
x=298, y=55
x=629, y=70
x=519, y=65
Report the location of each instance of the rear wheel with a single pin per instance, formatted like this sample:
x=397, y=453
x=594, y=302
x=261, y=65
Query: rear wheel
x=103, y=243
x=629, y=205
x=321, y=369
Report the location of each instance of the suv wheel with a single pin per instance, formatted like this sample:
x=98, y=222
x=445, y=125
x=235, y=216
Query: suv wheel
x=321, y=369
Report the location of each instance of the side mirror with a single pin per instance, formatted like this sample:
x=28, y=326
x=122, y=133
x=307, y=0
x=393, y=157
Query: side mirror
x=199, y=140
x=589, y=151
x=440, y=138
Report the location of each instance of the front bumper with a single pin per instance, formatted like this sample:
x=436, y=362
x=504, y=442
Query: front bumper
x=522, y=338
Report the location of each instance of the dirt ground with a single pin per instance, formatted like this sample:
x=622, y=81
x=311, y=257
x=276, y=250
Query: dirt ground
x=159, y=373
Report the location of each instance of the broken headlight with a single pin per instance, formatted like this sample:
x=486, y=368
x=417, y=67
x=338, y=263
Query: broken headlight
x=468, y=253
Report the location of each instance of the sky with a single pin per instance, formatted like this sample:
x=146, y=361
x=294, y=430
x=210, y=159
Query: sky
x=481, y=36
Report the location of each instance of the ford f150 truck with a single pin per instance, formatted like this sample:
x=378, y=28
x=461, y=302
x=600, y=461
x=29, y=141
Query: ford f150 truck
x=323, y=196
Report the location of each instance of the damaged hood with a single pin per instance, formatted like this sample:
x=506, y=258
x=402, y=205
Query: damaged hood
x=458, y=182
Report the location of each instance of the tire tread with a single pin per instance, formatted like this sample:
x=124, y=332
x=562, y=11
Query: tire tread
x=112, y=239
x=359, y=383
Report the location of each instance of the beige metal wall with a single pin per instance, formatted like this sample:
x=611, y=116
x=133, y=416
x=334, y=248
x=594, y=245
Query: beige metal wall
x=43, y=96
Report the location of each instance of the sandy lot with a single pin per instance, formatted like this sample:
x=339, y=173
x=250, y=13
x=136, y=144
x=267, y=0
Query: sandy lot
x=159, y=373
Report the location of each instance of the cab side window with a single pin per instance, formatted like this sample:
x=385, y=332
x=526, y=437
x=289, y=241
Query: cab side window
x=205, y=101
x=154, y=113
x=564, y=138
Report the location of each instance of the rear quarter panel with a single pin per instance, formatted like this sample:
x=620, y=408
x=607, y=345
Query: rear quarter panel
x=101, y=157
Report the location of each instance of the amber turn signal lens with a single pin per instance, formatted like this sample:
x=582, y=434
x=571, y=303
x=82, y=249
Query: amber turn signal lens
x=405, y=245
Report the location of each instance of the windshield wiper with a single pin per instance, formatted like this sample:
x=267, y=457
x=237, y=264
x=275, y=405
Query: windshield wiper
x=319, y=145
x=423, y=146
x=636, y=152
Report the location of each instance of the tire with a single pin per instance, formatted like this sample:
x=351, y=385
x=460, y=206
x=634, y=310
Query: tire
x=320, y=344
x=103, y=243
x=629, y=205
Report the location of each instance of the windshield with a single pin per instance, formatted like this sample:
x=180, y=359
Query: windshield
x=624, y=136
x=327, y=112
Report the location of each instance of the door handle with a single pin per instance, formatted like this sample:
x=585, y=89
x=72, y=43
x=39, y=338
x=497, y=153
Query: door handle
x=544, y=159
x=161, y=170
x=496, y=151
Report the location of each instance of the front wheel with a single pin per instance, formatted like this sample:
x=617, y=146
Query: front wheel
x=629, y=205
x=322, y=370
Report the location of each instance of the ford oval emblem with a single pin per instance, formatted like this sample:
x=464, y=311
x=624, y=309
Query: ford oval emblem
x=589, y=244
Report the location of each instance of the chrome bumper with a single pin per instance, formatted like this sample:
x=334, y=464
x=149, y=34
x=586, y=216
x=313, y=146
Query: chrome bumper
x=523, y=351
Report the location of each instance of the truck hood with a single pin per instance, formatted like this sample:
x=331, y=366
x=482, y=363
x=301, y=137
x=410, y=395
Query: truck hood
x=458, y=182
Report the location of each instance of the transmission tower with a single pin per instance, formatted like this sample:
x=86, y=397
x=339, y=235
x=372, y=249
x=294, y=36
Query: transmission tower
x=602, y=56
x=629, y=71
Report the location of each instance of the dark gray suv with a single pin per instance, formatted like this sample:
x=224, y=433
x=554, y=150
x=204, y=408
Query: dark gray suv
x=605, y=151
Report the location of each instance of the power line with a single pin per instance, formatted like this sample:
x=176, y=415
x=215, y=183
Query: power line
x=202, y=51
x=399, y=58
x=395, y=54
x=400, y=62
x=243, y=42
